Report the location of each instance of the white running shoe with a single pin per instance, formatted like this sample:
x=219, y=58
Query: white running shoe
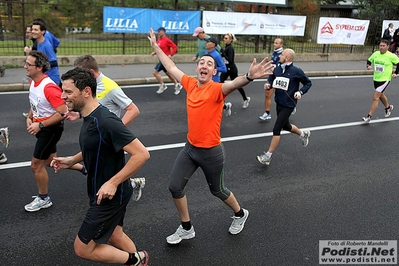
x=138, y=184
x=5, y=136
x=178, y=88
x=238, y=223
x=293, y=111
x=181, y=234
x=366, y=119
x=228, y=109
x=3, y=158
x=388, y=111
x=38, y=204
x=265, y=116
x=246, y=103
x=162, y=88
x=305, y=139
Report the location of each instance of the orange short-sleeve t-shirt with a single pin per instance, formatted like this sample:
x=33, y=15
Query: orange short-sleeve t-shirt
x=204, y=112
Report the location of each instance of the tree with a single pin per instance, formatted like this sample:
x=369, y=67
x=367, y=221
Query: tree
x=377, y=11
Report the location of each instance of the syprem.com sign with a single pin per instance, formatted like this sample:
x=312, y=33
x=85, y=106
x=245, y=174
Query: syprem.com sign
x=358, y=252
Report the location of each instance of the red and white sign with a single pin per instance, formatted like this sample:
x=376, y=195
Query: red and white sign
x=342, y=31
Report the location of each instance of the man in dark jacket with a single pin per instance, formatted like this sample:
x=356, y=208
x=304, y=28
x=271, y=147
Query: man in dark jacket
x=388, y=33
x=285, y=80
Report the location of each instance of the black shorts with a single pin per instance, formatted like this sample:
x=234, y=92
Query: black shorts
x=159, y=67
x=47, y=139
x=101, y=221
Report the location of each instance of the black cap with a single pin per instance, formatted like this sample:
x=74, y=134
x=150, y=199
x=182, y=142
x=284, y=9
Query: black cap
x=213, y=39
x=161, y=28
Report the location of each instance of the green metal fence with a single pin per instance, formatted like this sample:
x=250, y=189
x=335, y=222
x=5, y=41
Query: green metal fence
x=79, y=28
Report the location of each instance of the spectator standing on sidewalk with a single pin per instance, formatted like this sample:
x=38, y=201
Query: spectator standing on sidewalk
x=201, y=42
x=232, y=70
x=5, y=139
x=104, y=139
x=388, y=33
x=286, y=79
x=278, y=45
x=383, y=61
x=170, y=49
x=204, y=148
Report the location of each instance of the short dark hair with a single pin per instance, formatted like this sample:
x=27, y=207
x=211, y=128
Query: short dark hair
x=86, y=61
x=385, y=41
x=41, y=24
x=208, y=55
x=41, y=60
x=82, y=78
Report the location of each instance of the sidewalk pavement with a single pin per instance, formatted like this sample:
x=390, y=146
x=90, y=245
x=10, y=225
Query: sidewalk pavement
x=15, y=78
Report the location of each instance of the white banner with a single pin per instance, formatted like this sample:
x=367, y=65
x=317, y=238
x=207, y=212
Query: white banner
x=252, y=24
x=342, y=31
x=385, y=24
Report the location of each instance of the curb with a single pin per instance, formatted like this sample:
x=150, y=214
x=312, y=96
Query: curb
x=152, y=80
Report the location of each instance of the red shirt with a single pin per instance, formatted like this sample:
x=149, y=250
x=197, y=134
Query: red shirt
x=167, y=46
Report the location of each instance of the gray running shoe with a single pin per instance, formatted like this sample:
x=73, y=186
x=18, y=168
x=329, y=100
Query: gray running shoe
x=181, y=234
x=238, y=223
x=264, y=159
x=293, y=111
x=38, y=204
x=5, y=136
x=305, y=139
x=139, y=183
x=162, y=88
x=178, y=88
x=388, y=111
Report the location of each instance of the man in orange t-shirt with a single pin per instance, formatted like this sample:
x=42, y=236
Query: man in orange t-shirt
x=204, y=148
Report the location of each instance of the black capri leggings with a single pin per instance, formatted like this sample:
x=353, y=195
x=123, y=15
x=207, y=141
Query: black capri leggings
x=283, y=119
x=210, y=160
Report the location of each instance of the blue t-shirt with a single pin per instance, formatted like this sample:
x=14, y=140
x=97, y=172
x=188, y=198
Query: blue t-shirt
x=46, y=48
x=220, y=65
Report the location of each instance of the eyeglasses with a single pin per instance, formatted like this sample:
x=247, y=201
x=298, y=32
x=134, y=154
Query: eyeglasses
x=29, y=65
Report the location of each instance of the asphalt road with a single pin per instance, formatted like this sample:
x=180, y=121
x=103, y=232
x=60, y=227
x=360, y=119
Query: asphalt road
x=343, y=186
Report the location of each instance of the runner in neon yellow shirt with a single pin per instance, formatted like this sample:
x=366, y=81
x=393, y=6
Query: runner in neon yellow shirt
x=383, y=61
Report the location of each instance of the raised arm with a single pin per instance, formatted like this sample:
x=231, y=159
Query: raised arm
x=256, y=71
x=165, y=60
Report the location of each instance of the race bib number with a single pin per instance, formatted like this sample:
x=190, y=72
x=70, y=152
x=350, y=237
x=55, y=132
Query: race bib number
x=379, y=68
x=281, y=83
x=33, y=106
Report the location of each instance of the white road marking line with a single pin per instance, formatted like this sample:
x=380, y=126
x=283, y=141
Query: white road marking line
x=235, y=138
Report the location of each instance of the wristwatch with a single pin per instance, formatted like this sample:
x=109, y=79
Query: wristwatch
x=41, y=126
x=248, y=78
